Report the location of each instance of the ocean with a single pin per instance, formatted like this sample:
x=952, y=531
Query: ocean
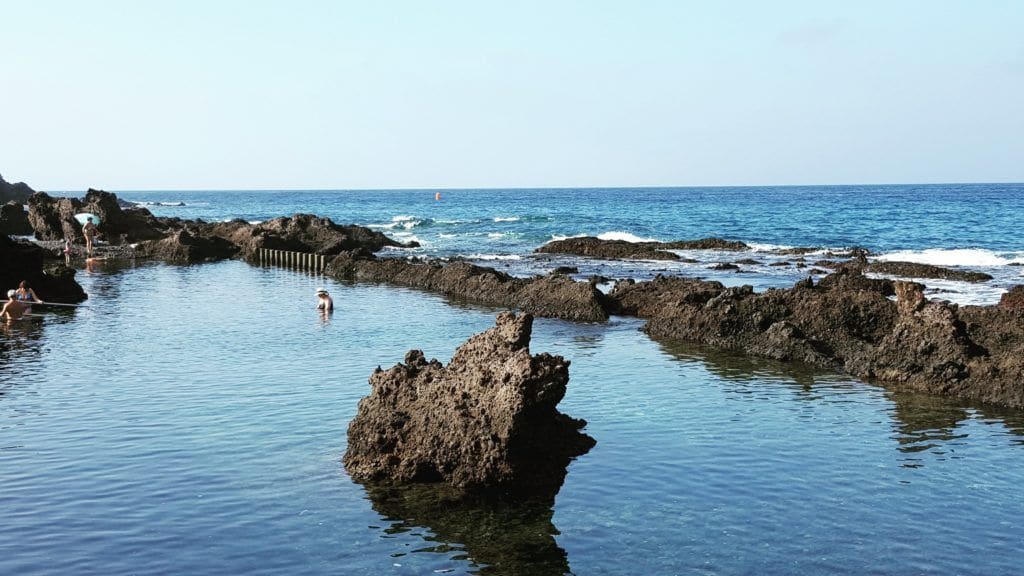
x=192, y=419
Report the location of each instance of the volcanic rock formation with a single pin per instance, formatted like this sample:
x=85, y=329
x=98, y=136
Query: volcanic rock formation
x=486, y=420
x=14, y=219
x=17, y=192
x=25, y=261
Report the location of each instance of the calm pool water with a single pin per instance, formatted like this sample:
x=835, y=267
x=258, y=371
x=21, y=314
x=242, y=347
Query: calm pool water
x=192, y=420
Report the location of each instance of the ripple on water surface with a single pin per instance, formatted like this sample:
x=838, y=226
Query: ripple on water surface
x=193, y=419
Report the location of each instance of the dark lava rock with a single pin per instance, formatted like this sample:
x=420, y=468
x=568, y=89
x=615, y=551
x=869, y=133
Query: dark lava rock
x=14, y=219
x=184, y=247
x=552, y=296
x=566, y=270
x=53, y=218
x=622, y=250
x=782, y=263
x=26, y=261
x=610, y=249
x=723, y=266
x=747, y=261
x=486, y=420
x=847, y=321
x=703, y=244
x=17, y=192
x=915, y=270
x=1013, y=299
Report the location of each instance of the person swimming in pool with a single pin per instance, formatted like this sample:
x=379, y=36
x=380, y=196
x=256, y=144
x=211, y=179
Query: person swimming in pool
x=324, y=300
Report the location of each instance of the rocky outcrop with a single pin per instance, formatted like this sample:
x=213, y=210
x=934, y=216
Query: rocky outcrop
x=1013, y=299
x=26, y=261
x=184, y=247
x=915, y=270
x=610, y=249
x=486, y=420
x=14, y=219
x=17, y=192
x=592, y=247
x=846, y=322
x=553, y=296
x=53, y=218
x=309, y=233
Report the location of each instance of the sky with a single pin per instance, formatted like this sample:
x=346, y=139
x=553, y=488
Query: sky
x=148, y=95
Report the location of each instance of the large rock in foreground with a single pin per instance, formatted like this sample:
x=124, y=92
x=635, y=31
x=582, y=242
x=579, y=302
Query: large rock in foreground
x=487, y=420
x=16, y=192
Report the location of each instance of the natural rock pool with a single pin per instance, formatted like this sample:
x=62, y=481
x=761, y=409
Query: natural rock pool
x=192, y=420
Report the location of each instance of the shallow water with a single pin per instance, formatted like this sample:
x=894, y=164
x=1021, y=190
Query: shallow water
x=192, y=420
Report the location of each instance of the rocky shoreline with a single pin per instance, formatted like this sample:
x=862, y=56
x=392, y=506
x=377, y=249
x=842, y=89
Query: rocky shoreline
x=880, y=330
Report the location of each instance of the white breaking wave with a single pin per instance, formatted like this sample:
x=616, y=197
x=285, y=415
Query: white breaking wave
x=506, y=219
x=953, y=257
x=616, y=235
x=496, y=235
x=494, y=257
x=402, y=218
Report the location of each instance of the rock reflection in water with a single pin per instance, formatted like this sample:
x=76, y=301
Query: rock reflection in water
x=497, y=533
x=922, y=422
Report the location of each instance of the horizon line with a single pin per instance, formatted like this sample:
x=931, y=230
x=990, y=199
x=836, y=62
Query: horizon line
x=511, y=188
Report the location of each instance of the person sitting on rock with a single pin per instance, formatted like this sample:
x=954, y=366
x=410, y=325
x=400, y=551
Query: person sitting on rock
x=13, y=309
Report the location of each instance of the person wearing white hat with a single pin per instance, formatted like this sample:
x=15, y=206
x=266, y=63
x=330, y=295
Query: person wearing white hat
x=324, y=300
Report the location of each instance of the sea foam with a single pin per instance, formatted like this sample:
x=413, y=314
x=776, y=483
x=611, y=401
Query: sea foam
x=953, y=257
x=616, y=235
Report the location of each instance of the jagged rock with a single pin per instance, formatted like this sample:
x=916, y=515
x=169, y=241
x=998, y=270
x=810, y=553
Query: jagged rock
x=847, y=321
x=488, y=419
x=723, y=266
x=17, y=192
x=1013, y=299
x=915, y=270
x=185, y=248
x=309, y=233
x=25, y=261
x=53, y=218
x=14, y=219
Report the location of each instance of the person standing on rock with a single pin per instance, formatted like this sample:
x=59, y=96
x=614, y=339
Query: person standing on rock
x=68, y=249
x=89, y=231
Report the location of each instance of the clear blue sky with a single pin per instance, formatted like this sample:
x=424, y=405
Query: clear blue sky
x=140, y=94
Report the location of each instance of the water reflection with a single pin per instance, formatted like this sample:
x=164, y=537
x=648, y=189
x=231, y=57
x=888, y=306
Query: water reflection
x=922, y=423
x=498, y=534
x=19, y=345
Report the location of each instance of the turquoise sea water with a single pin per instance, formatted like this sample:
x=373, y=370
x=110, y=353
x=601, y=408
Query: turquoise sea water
x=192, y=420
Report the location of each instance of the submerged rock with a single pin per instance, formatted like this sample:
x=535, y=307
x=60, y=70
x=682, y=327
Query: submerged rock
x=486, y=420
